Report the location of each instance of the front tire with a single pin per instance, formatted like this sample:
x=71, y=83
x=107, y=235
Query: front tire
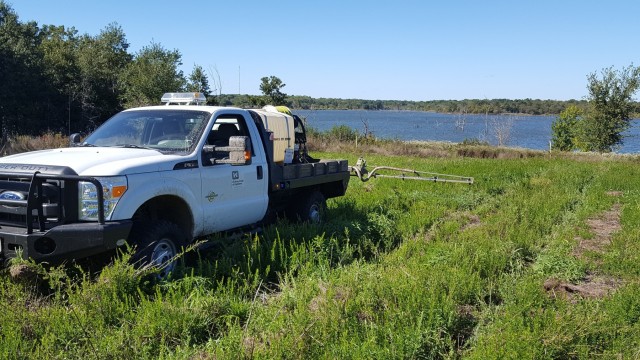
x=157, y=245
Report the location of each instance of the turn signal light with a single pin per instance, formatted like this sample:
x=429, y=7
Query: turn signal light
x=117, y=191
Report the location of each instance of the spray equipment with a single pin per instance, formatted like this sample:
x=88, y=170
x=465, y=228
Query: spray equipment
x=360, y=170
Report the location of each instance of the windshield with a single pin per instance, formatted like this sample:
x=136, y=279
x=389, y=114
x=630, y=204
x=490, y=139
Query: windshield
x=171, y=131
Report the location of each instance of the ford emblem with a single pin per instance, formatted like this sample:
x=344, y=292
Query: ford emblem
x=12, y=195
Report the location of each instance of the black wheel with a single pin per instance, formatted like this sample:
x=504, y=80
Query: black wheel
x=157, y=244
x=311, y=208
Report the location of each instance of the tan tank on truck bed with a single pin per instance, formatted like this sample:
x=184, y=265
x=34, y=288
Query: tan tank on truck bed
x=281, y=127
x=292, y=171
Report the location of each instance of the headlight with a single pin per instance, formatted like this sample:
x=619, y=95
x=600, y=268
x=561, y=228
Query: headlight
x=113, y=188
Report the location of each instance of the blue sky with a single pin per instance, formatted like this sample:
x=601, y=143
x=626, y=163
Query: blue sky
x=388, y=50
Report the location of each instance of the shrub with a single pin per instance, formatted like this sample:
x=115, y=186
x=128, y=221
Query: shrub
x=342, y=133
x=564, y=129
x=23, y=143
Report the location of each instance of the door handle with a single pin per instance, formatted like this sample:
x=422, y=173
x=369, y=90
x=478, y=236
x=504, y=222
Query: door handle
x=259, y=172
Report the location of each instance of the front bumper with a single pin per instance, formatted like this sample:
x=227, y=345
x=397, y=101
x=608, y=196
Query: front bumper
x=63, y=242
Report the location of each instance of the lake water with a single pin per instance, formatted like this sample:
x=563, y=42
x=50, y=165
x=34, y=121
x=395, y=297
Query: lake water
x=531, y=132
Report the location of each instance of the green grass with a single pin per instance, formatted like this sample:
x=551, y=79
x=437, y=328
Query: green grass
x=401, y=270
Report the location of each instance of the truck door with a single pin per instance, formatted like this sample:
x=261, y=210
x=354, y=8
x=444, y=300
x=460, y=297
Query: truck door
x=232, y=195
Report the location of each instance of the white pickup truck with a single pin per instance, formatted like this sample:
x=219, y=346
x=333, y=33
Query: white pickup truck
x=158, y=177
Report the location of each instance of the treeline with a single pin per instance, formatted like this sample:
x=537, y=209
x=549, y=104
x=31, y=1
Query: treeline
x=55, y=79
x=469, y=106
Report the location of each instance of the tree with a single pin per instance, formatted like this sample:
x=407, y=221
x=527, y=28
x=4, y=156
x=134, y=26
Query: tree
x=58, y=47
x=153, y=72
x=54, y=79
x=271, y=87
x=564, y=129
x=102, y=60
x=21, y=75
x=610, y=108
x=198, y=81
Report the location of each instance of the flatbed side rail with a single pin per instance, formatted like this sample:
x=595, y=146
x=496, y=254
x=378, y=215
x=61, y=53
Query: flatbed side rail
x=35, y=199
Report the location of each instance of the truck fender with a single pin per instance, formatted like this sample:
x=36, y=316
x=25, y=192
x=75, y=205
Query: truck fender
x=141, y=190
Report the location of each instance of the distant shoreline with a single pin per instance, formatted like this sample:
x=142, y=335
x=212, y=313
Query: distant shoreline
x=431, y=111
x=467, y=106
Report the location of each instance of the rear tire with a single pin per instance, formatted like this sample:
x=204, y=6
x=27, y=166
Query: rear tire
x=157, y=244
x=311, y=209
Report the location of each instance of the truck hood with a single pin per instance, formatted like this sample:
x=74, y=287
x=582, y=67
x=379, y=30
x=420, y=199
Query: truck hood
x=91, y=161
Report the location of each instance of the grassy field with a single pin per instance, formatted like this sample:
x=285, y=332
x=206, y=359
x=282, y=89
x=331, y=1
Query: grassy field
x=540, y=258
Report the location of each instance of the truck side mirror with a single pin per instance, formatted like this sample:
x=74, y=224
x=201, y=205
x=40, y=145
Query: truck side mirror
x=239, y=151
x=74, y=139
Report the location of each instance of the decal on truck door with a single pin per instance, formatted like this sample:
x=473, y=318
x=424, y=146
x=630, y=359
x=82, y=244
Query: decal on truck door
x=235, y=178
x=211, y=196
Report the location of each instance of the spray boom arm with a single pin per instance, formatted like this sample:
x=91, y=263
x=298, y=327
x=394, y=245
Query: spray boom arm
x=360, y=170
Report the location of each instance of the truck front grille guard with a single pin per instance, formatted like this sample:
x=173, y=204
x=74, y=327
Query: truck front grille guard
x=35, y=200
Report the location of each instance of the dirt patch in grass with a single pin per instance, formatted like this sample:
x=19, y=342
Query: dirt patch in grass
x=592, y=287
x=615, y=193
x=465, y=324
x=603, y=227
x=473, y=221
